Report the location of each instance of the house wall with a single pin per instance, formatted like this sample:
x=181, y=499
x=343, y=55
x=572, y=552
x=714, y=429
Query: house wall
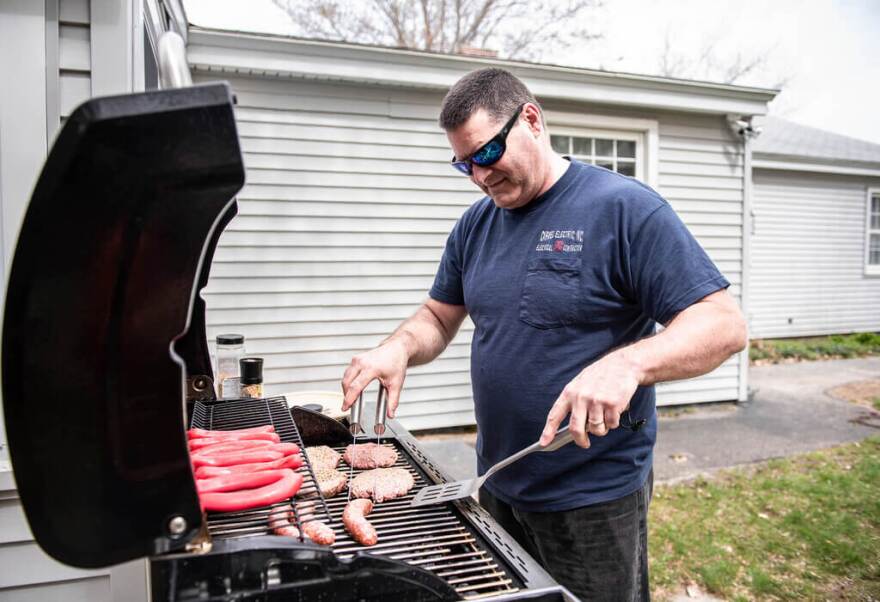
x=808, y=256
x=348, y=202
x=65, y=51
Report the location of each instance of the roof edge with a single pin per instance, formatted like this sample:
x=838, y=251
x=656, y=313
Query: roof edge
x=781, y=162
x=242, y=52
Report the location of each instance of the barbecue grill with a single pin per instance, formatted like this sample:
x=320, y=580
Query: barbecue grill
x=105, y=363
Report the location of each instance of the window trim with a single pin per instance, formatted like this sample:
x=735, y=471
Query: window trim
x=870, y=270
x=588, y=124
x=636, y=137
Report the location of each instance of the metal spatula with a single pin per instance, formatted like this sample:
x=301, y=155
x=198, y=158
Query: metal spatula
x=437, y=494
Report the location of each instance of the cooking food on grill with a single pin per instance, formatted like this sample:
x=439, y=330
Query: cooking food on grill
x=286, y=483
x=279, y=521
x=195, y=433
x=318, y=532
x=236, y=482
x=321, y=457
x=382, y=484
x=291, y=461
x=235, y=457
x=330, y=481
x=197, y=445
x=370, y=455
x=222, y=448
x=354, y=519
x=267, y=438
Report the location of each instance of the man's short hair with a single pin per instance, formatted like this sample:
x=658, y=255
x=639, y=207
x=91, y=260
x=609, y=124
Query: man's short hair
x=494, y=90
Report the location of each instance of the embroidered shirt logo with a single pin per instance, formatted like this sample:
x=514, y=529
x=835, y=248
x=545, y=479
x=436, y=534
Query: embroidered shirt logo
x=561, y=241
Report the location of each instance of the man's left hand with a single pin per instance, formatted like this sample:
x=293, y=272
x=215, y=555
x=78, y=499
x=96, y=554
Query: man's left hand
x=595, y=399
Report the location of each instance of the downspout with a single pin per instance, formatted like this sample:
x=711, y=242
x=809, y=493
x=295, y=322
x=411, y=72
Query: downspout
x=173, y=67
x=742, y=127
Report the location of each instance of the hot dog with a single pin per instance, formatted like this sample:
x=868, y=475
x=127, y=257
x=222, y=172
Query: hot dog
x=195, y=433
x=196, y=445
x=286, y=448
x=292, y=461
x=285, y=486
x=202, y=441
x=236, y=481
x=236, y=457
x=319, y=532
x=242, y=446
x=279, y=522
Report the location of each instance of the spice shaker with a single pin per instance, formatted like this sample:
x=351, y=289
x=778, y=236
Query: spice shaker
x=251, y=377
x=230, y=350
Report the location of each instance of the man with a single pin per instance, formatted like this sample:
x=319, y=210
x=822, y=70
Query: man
x=565, y=269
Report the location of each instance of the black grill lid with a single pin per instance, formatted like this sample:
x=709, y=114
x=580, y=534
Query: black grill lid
x=103, y=319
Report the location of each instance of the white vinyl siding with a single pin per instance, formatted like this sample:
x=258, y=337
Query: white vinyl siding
x=808, y=256
x=341, y=225
x=74, y=56
x=348, y=203
x=701, y=175
x=29, y=574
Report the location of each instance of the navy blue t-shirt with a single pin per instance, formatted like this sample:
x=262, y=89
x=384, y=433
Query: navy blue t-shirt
x=590, y=265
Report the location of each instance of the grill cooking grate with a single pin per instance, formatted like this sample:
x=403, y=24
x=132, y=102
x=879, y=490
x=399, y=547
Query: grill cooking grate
x=229, y=415
x=434, y=538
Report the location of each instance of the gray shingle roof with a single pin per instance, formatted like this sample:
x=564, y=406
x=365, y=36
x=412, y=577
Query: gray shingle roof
x=781, y=137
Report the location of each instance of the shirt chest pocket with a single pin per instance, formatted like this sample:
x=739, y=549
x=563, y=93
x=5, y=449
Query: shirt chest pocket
x=550, y=292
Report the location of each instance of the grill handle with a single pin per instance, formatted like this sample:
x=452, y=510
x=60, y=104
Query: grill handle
x=173, y=68
x=381, y=410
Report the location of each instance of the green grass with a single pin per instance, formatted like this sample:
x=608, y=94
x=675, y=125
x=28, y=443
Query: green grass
x=834, y=346
x=805, y=528
x=876, y=403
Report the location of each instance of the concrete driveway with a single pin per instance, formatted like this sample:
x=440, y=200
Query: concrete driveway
x=789, y=412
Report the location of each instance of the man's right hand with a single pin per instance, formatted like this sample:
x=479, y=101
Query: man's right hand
x=387, y=363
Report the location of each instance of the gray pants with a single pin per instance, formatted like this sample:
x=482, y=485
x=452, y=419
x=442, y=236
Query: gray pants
x=598, y=552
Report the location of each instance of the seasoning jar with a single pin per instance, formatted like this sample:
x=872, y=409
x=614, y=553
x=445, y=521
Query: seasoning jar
x=230, y=350
x=251, y=377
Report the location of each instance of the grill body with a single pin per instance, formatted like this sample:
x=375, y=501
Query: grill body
x=452, y=551
x=105, y=359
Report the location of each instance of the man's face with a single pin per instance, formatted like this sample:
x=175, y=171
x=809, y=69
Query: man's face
x=513, y=180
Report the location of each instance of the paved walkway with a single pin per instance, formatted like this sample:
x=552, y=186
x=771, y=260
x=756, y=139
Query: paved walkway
x=789, y=412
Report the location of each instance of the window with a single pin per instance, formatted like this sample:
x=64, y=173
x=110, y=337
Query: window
x=872, y=254
x=617, y=152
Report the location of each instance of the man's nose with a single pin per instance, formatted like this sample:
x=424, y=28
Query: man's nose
x=479, y=174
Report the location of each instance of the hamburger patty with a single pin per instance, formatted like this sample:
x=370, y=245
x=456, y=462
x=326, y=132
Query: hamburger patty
x=382, y=484
x=370, y=455
x=322, y=457
x=330, y=481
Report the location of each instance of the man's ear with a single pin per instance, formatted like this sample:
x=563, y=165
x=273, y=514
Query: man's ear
x=533, y=118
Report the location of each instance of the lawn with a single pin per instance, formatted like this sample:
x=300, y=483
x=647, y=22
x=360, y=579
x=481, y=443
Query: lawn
x=804, y=528
x=764, y=351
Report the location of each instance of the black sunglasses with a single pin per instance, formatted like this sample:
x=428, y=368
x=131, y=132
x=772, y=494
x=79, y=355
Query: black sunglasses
x=492, y=151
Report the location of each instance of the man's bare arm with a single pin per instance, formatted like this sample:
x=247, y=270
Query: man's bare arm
x=694, y=342
x=429, y=330
x=418, y=340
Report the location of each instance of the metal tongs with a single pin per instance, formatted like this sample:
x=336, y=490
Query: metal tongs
x=356, y=428
x=354, y=419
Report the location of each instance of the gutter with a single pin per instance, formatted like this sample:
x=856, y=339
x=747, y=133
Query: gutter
x=214, y=51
